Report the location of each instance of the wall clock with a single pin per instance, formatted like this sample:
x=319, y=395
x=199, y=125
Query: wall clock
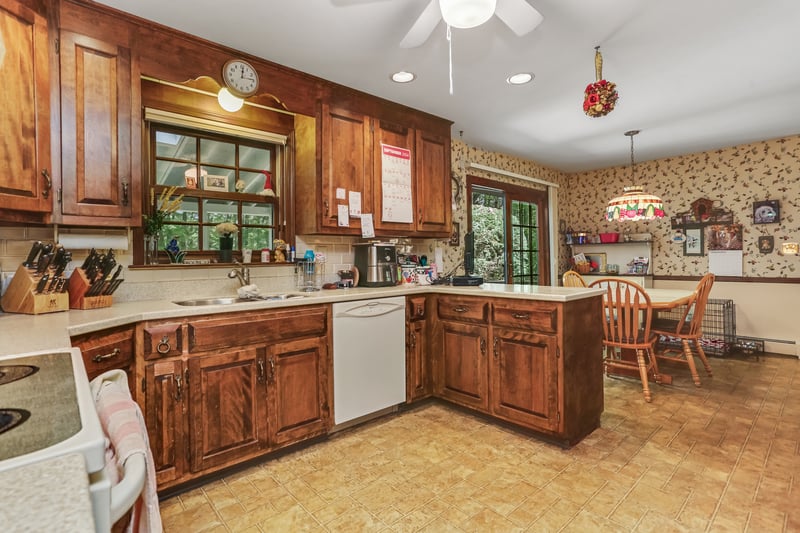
x=240, y=77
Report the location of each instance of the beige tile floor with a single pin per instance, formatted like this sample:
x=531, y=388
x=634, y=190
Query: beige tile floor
x=723, y=457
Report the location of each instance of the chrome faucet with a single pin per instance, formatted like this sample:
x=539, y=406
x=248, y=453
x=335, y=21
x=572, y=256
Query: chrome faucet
x=242, y=274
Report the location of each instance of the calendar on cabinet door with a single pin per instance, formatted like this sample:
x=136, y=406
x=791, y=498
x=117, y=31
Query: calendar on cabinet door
x=396, y=184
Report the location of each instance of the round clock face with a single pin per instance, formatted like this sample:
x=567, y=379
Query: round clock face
x=240, y=77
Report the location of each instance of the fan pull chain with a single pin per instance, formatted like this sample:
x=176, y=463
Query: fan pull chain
x=450, y=50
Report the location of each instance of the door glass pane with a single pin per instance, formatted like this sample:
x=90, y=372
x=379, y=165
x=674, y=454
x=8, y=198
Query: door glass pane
x=488, y=216
x=217, y=152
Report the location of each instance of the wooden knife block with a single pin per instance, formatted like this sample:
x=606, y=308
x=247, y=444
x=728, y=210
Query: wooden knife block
x=21, y=296
x=78, y=285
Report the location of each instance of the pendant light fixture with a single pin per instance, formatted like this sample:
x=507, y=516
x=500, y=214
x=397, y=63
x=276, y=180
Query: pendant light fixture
x=634, y=204
x=466, y=13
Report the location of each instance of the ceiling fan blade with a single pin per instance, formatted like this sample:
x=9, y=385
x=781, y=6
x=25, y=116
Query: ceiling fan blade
x=518, y=15
x=423, y=27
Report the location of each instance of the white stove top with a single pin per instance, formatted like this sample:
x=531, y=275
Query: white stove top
x=49, y=392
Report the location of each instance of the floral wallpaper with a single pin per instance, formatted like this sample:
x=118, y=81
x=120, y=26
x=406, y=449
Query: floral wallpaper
x=733, y=178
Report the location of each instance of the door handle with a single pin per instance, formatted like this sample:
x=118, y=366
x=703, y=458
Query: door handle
x=483, y=346
x=272, y=370
x=262, y=373
x=125, y=193
x=495, y=347
x=48, y=183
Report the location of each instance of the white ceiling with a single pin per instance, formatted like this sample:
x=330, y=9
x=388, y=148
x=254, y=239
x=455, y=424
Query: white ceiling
x=693, y=75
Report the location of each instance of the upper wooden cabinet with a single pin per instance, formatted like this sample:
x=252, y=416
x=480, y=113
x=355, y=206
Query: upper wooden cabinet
x=351, y=152
x=100, y=131
x=25, y=183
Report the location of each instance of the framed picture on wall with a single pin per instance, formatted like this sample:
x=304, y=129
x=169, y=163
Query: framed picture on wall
x=598, y=262
x=766, y=212
x=693, y=245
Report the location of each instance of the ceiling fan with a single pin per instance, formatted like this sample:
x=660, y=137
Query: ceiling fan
x=516, y=14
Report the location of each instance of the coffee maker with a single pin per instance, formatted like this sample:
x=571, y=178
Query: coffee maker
x=376, y=263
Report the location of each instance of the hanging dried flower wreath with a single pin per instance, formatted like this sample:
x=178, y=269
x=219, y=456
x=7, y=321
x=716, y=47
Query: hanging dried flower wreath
x=599, y=97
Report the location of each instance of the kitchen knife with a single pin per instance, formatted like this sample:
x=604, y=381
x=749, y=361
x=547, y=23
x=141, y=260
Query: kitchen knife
x=42, y=284
x=62, y=263
x=97, y=287
x=112, y=280
x=113, y=286
x=43, y=262
x=89, y=258
x=35, y=249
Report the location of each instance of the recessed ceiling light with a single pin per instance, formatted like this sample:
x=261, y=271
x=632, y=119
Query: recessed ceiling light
x=520, y=78
x=403, y=76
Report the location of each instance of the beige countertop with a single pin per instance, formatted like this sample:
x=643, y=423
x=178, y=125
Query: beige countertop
x=50, y=495
x=21, y=333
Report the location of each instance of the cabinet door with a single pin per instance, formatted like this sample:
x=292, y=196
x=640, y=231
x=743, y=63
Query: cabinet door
x=417, y=374
x=346, y=165
x=25, y=113
x=524, y=375
x=97, y=133
x=165, y=417
x=462, y=376
x=432, y=185
x=391, y=198
x=298, y=373
x=227, y=408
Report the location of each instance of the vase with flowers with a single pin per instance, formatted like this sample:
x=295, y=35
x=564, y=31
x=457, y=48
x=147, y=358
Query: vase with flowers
x=153, y=224
x=225, y=230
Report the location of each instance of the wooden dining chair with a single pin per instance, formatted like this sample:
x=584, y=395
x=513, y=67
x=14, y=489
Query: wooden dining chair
x=626, y=329
x=573, y=279
x=688, y=328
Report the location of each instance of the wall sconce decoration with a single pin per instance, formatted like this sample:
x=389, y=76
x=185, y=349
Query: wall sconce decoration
x=766, y=244
x=790, y=248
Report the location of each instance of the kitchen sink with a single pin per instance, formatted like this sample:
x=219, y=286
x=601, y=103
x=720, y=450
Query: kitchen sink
x=236, y=300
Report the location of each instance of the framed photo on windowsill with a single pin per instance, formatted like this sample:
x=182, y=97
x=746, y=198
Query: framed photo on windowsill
x=215, y=183
x=693, y=245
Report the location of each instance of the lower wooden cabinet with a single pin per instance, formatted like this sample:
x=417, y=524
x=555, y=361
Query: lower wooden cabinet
x=418, y=373
x=532, y=363
x=227, y=407
x=525, y=378
x=208, y=407
x=462, y=373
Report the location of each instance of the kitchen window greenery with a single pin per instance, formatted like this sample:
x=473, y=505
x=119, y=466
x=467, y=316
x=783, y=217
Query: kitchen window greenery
x=212, y=179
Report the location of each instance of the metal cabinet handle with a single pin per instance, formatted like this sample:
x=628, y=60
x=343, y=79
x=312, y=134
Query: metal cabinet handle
x=272, y=370
x=48, y=183
x=419, y=223
x=262, y=373
x=325, y=203
x=460, y=309
x=495, y=347
x=125, y=193
x=178, y=387
x=413, y=343
x=163, y=347
x=102, y=357
x=420, y=311
x=483, y=346
x=521, y=316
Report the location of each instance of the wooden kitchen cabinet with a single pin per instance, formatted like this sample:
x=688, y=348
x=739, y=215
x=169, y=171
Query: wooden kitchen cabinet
x=108, y=350
x=165, y=407
x=100, y=128
x=351, y=154
x=418, y=375
x=297, y=376
x=25, y=157
x=221, y=389
x=227, y=407
x=512, y=359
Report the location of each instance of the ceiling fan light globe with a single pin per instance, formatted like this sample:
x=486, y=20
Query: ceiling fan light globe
x=467, y=13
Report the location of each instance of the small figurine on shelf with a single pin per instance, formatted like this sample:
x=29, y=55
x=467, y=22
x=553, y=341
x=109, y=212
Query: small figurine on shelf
x=240, y=185
x=174, y=251
x=279, y=248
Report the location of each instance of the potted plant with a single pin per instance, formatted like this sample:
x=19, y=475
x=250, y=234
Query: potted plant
x=225, y=230
x=153, y=224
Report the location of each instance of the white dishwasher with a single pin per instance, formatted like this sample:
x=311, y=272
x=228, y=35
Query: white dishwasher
x=369, y=357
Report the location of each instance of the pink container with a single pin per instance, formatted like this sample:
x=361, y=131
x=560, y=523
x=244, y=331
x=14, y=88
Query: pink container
x=607, y=238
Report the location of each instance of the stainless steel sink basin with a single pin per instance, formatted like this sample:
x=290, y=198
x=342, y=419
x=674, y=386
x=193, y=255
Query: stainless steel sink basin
x=235, y=300
x=213, y=301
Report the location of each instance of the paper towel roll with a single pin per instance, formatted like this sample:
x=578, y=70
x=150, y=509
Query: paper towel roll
x=87, y=241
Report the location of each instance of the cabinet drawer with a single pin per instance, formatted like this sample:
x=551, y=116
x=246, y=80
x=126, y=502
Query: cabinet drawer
x=415, y=308
x=162, y=340
x=534, y=316
x=106, y=350
x=462, y=309
x=257, y=328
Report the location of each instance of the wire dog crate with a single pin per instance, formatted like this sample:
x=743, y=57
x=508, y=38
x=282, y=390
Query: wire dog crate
x=719, y=327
